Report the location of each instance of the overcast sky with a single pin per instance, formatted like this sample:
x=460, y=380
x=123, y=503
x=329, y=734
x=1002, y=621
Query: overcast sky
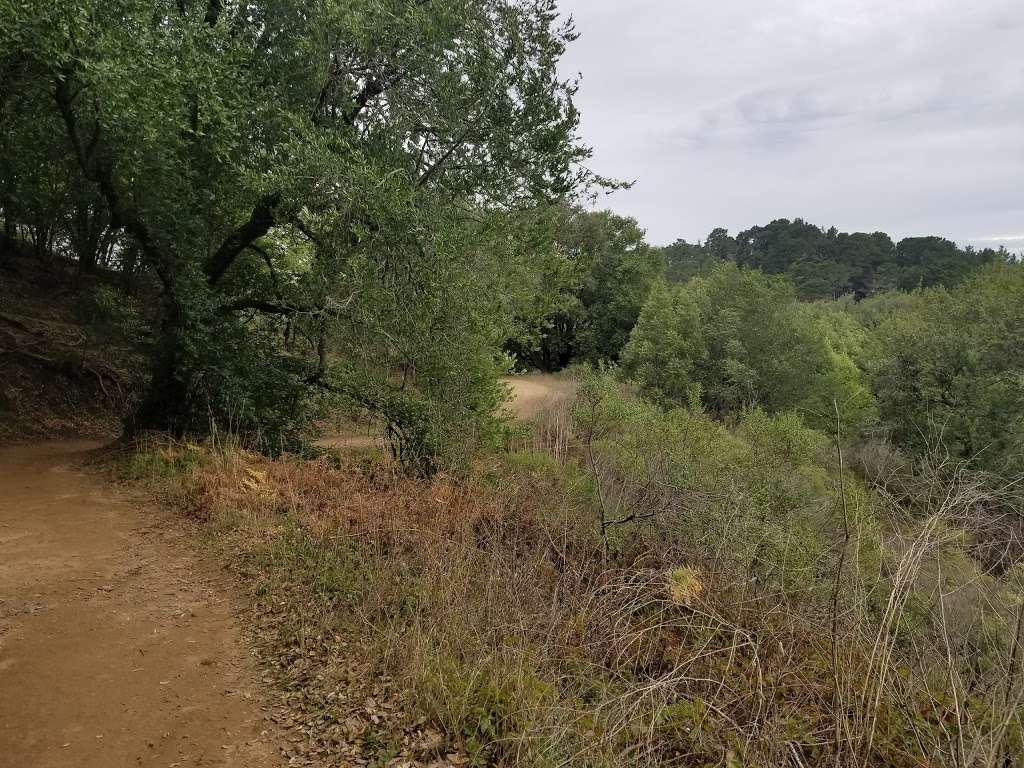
x=905, y=116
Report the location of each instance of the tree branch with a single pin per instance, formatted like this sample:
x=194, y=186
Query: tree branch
x=319, y=375
x=100, y=171
x=270, y=266
x=373, y=88
x=458, y=143
x=268, y=307
x=260, y=221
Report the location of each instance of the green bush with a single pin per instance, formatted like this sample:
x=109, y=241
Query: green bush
x=680, y=478
x=111, y=316
x=950, y=370
x=738, y=338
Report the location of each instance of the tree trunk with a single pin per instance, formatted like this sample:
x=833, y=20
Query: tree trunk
x=166, y=405
x=130, y=258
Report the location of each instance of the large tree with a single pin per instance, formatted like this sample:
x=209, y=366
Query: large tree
x=305, y=175
x=595, y=284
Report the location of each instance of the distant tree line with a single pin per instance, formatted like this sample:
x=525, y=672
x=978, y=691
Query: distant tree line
x=602, y=271
x=921, y=339
x=827, y=263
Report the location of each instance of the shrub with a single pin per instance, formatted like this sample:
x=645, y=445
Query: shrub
x=950, y=370
x=738, y=338
x=749, y=603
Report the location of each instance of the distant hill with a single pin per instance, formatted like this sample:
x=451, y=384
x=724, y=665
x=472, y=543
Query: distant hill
x=825, y=263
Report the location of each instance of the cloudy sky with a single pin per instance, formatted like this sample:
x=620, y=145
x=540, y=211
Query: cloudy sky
x=905, y=116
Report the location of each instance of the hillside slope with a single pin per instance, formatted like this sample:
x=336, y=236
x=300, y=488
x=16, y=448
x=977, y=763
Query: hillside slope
x=66, y=366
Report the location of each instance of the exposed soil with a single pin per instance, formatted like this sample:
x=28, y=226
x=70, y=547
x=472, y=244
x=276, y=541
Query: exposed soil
x=119, y=645
x=531, y=394
x=534, y=392
x=61, y=375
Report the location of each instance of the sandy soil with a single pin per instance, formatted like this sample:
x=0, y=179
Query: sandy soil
x=118, y=644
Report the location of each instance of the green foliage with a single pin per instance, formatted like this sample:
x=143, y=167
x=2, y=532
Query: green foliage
x=687, y=260
x=739, y=338
x=666, y=346
x=594, y=286
x=109, y=314
x=846, y=385
x=827, y=263
x=314, y=186
x=922, y=262
x=44, y=199
x=764, y=485
x=951, y=368
x=620, y=270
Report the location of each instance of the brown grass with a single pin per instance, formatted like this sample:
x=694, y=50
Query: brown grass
x=479, y=620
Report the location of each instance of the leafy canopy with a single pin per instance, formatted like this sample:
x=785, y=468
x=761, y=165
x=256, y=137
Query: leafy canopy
x=592, y=289
x=740, y=338
x=951, y=367
x=317, y=186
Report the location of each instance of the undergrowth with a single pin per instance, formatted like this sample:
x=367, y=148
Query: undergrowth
x=628, y=587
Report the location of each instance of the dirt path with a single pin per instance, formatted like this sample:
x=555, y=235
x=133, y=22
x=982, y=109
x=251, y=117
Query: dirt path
x=534, y=392
x=118, y=645
x=531, y=394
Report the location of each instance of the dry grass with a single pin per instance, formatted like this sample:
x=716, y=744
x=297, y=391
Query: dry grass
x=481, y=620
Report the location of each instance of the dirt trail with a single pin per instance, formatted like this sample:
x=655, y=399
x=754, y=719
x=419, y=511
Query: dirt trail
x=531, y=394
x=534, y=392
x=118, y=644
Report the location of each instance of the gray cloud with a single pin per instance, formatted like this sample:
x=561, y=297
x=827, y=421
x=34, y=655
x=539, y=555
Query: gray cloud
x=869, y=115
